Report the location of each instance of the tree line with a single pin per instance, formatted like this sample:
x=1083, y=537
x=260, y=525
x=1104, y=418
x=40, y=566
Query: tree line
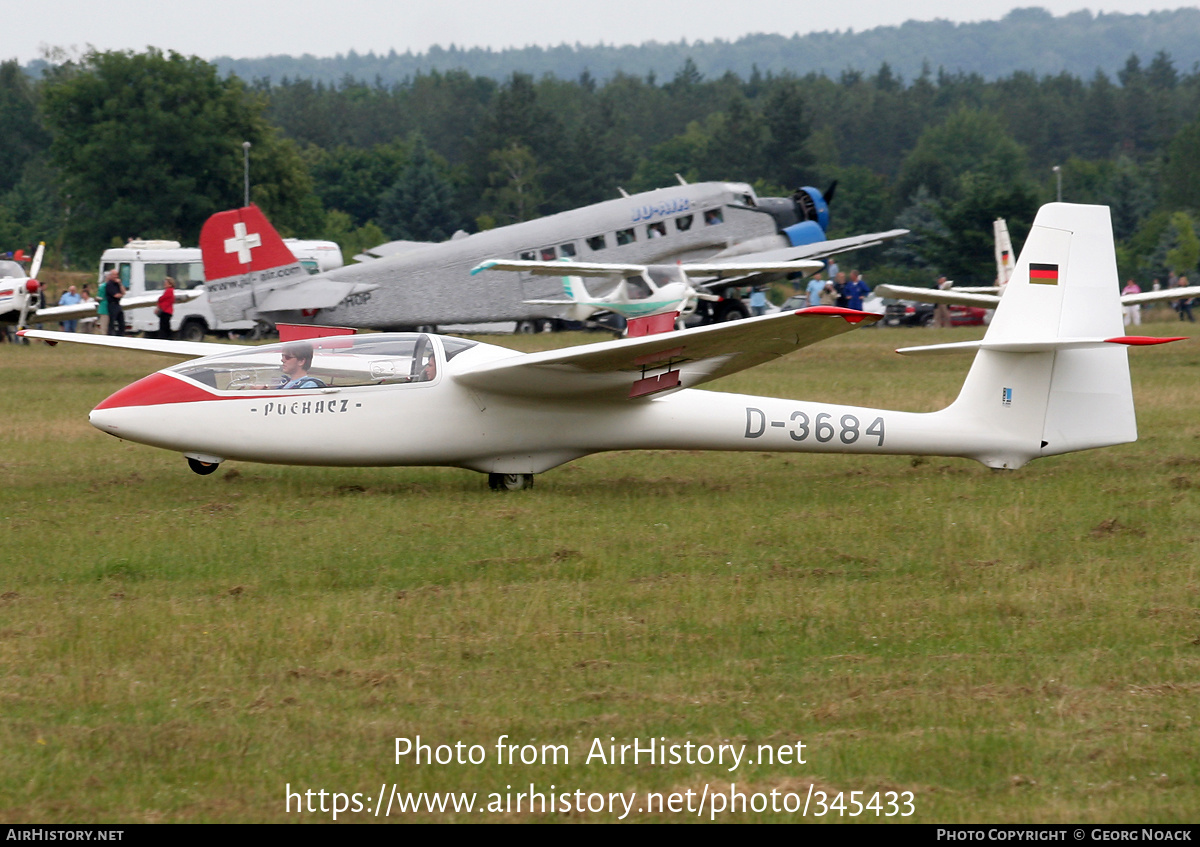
x=119, y=144
x=1029, y=39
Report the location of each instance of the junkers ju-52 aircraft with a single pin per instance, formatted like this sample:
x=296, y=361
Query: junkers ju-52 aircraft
x=407, y=285
x=1050, y=376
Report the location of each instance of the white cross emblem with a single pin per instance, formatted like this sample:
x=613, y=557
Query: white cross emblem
x=241, y=243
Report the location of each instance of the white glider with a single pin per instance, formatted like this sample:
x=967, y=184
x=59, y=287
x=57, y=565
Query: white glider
x=1050, y=376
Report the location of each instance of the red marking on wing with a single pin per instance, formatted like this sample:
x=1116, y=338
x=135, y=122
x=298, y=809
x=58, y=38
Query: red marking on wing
x=660, y=356
x=220, y=264
x=654, y=384
x=301, y=332
x=852, y=316
x=1143, y=340
x=650, y=325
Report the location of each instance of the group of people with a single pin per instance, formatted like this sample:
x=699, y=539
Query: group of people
x=838, y=290
x=1132, y=314
x=110, y=316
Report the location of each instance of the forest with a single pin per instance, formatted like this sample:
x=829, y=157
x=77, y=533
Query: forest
x=116, y=145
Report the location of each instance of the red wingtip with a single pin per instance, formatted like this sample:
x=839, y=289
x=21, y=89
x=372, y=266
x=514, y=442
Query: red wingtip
x=852, y=316
x=1143, y=340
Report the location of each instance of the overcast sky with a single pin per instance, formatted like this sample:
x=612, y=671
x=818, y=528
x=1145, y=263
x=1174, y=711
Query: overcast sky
x=253, y=28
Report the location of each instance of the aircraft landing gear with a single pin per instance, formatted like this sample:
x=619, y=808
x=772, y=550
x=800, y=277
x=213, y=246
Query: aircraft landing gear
x=509, y=481
x=202, y=468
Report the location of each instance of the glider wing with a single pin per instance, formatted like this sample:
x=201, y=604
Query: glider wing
x=630, y=368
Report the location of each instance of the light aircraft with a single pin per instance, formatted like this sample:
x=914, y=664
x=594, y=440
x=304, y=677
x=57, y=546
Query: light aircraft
x=20, y=299
x=988, y=297
x=1050, y=376
x=651, y=298
x=407, y=284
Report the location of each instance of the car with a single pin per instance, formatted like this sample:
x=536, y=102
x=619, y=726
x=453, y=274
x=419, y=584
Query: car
x=912, y=313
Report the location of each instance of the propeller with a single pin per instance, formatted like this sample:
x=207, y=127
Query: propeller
x=31, y=285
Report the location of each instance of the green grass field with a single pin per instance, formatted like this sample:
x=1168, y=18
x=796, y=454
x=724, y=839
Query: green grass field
x=1008, y=647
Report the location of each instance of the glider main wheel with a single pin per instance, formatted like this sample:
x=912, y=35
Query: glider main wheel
x=202, y=468
x=510, y=481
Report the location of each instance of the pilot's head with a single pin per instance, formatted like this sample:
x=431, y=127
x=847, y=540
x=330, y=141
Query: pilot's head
x=297, y=353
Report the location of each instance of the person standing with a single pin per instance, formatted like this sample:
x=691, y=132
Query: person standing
x=113, y=292
x=70, y=297
x=758, y=302
x=856, y=289
x=166, y=308
x=815, y=286
x=1133, y=312
x=941, y=311
x=839, y=286
x=86, y=324
x=1185, y=305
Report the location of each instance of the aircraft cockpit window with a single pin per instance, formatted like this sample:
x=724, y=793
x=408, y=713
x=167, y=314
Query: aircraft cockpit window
x=656, y=230
x=713, y=217
x=665, y=276
x=748, y=199
x=636, y=288
x=597, y=242
x=454, y=346
x=626, y=236
x=567, y=250
x=11, y=269
x=323, y=363
x=683, y=223
x=529, y=256
x=311, y=266
x=549, y=254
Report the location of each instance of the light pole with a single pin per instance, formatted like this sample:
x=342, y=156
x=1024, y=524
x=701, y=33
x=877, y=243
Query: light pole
x=1058, y=179
x=245, y=157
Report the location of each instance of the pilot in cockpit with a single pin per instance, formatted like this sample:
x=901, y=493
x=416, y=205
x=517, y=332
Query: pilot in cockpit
x=295, y=360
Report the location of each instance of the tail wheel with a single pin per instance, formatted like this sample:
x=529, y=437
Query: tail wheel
x=202, y=468
x=510, y=481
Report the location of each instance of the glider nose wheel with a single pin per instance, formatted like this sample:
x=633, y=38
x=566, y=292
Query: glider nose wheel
x=202, y=468
x=506, y=481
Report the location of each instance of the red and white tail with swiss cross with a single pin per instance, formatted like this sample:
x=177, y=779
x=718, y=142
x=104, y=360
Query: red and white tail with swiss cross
x=244, y=260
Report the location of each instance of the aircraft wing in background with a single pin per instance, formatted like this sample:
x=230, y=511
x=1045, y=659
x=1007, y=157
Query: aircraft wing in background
x=88, y=309
x=816, y=250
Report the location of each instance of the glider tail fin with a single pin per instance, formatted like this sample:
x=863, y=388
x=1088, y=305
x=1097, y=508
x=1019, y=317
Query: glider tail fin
x=1004, y=253
x=1047, y=378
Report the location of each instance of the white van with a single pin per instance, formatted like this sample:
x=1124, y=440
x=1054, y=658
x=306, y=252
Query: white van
x=143, y=265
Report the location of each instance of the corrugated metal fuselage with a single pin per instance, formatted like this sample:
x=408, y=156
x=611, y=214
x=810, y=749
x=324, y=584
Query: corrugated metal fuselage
x=432, y=284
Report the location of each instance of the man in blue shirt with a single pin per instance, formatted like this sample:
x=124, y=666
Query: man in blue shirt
x=70, y=297
x=856, y=289
x=815, y=286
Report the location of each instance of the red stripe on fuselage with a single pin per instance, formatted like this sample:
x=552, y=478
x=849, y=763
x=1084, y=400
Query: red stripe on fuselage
x=160, y=389
x=156, y=390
